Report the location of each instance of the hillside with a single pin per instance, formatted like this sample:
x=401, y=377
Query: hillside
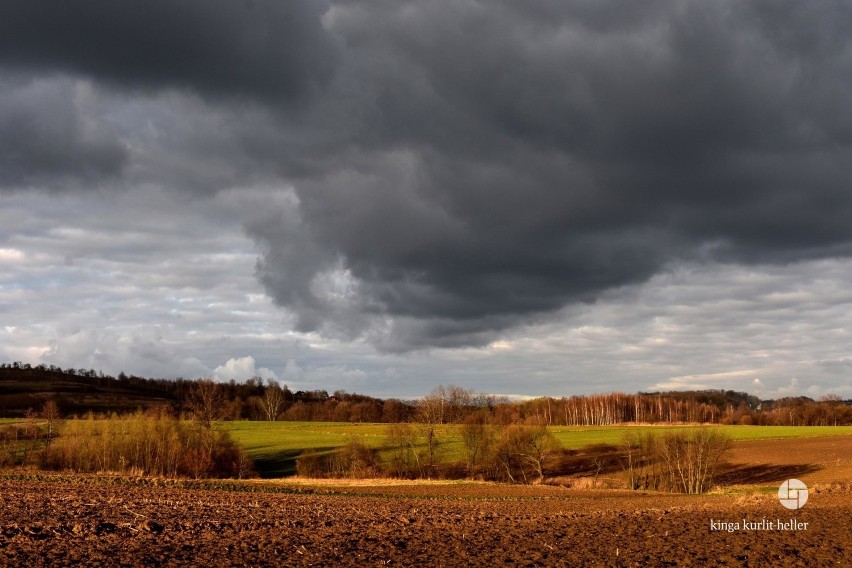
x=23, y=387
x=77, y=391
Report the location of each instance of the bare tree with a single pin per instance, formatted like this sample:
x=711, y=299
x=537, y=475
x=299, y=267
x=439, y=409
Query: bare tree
x=599, y=462
x=431, y=408
x=402, y=441
x=458, y=402
x=692, y=459
x=641, y=460
x=429, y=415
x=523, y=451
x=206, y=401
x=51, y=416
x=273, y=400
x=834, y=403
x=478, y=437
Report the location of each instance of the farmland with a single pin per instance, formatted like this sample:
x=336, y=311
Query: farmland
x=61, y=519
x=274, y=446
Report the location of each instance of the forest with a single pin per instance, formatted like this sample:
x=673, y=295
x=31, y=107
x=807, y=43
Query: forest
x=24, y=387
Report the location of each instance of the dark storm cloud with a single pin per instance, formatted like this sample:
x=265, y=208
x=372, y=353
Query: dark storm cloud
x=513, y=158
x=468, y=167
x=46, y=141
x=259, y=48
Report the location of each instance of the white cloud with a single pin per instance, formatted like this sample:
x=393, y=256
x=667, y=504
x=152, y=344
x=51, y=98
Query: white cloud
x=10, y=255
x=241, y=369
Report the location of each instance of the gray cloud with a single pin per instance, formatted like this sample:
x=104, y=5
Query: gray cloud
x=440, y=172
x=47, y=139
x=134, y=282
x=252, y=48
x=513, y=159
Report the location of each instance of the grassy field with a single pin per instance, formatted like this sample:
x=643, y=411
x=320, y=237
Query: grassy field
x=274, y=446
x=579, y=436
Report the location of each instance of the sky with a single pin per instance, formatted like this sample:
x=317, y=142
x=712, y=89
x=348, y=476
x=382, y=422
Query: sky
x=519, y=198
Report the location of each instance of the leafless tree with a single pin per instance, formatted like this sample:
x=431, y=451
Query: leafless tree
x=51, y=416
x=523, y=451
x=272, y=402
x=430, y=414
x=691, y=459
x=478, y=437
x=402, y=440
x=206, y=401
x=834, y=403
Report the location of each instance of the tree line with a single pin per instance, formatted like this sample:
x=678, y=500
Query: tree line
x=77, y=391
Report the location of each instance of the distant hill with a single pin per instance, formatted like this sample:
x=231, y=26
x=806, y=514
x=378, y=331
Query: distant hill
x=78, y=391
x=24, y=387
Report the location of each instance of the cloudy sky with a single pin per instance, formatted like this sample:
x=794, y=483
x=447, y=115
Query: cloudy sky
x=525, y=198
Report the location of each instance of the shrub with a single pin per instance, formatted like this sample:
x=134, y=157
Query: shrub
x=310, y=464
x=404, y=456
x=154, y=444
x=684, y=462
x=522, y=453
x=691, y=460
x=479, y=438
x=17, y=443
x=354, y=460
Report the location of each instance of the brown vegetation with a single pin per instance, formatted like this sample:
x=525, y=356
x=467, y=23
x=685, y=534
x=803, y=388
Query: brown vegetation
x=354, y=460
x=152, y=444
x=684, y=462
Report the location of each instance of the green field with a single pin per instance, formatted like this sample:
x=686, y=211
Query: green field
x=579, y=436
x=274, y=446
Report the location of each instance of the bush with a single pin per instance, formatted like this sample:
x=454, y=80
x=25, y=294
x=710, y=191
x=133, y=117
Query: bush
x=309, y=464
x=404, y=455
x=154, y=444
x=684, y=462
x=354, y=460
x=523, y=452
x=17, y=443
x=691, y=460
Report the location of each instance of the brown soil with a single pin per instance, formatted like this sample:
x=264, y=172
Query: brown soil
x=77, y=520
x=820, y=460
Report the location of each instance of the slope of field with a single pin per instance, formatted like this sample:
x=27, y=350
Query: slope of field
x=579, y=436
x=814, y=460
x=75, y=395
x=274, y=446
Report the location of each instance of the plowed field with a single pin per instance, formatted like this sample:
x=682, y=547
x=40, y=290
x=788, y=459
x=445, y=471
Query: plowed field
x=65, y=520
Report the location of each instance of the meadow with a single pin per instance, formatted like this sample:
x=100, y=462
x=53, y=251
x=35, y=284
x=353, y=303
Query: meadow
x=274, y=446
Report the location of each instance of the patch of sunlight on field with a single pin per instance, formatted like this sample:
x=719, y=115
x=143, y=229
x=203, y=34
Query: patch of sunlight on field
x=275, y=446
x=574, y=437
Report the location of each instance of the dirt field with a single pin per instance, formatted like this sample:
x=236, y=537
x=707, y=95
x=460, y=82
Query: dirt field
x=813, y=460
x=63, y=520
